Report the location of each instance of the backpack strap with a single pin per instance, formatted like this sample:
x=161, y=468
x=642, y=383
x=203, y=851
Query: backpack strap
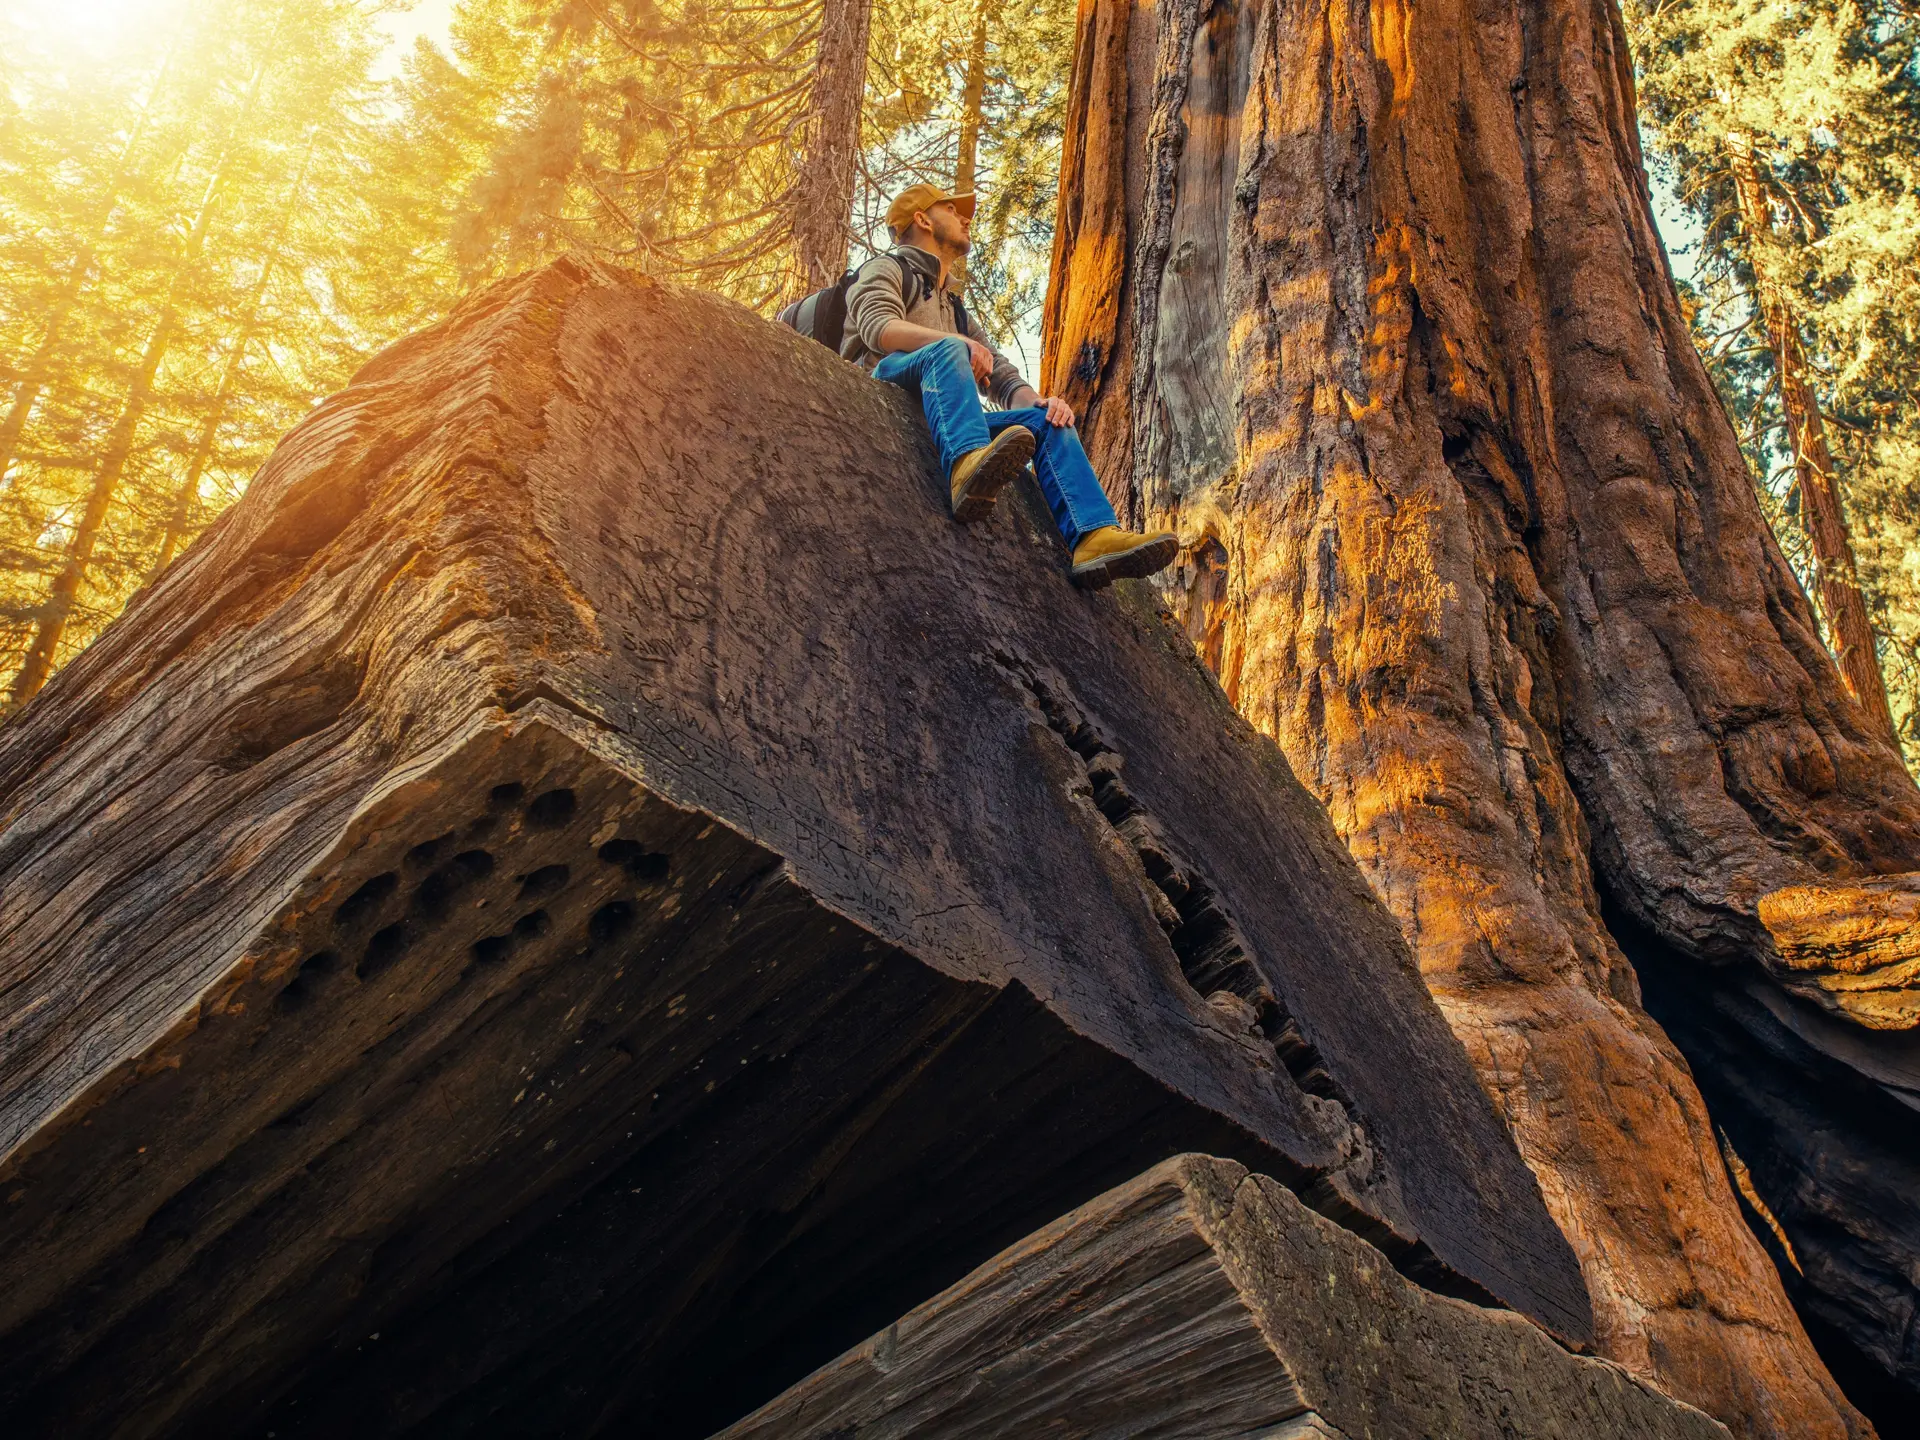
x=912, y=279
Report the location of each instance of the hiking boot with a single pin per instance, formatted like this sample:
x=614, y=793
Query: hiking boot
x=980, y=475
x=1110, y=553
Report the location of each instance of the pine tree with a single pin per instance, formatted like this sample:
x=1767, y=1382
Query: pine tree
x=202, y=248
x=1792, y=133
x=822, y=198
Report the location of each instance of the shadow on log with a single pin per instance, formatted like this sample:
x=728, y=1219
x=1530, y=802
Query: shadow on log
x=586, y=893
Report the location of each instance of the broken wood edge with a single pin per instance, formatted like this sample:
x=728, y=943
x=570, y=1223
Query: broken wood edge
x=1172, y=1264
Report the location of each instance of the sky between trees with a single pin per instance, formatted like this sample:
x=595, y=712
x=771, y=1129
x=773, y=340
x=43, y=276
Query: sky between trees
x=211, y=213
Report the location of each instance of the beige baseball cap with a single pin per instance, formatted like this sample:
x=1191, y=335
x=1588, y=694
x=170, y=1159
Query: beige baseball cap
x=915, y=198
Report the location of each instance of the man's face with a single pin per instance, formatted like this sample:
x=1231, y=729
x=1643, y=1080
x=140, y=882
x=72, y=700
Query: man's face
x=951, y=229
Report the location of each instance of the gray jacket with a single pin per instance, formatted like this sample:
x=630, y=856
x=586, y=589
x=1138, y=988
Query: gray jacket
x=879, y=295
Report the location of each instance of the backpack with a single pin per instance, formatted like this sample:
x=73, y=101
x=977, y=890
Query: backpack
x=822, y=315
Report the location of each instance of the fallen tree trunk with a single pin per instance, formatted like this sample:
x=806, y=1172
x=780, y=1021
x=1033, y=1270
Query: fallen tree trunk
x=1199, y=1302
x=1367, y=301
x=588, y=877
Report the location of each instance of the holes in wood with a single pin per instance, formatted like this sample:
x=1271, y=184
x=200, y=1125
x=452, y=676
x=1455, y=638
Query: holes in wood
x=433, y=900
x=547, y=880
x=505, y=797
x=427, y=851
x=295, y=1116
x=611, y=921
x=307, y=979
x=365, y=903
x=386, y=947
x=551, y=810
x=1213, y=955
x=644, y=865
x=492, y=950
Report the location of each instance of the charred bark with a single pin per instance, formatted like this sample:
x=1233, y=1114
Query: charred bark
x=1367, y=301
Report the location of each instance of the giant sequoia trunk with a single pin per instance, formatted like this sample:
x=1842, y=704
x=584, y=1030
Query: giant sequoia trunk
x=1368, y=302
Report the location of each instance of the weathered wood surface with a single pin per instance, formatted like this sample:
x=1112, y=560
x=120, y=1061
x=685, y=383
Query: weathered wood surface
x=1201, y=1302
x=587, y=875
x=1395, y=348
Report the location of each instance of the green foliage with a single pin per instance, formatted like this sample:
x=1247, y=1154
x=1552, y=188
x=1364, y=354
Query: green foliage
x=655, y=135
x=1829, y=92
x=662, y=134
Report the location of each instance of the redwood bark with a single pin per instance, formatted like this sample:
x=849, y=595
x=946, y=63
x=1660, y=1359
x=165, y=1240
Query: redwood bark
x=1200, y=1301
x=1840, y=594
x=1368, y=302
x=823, y=190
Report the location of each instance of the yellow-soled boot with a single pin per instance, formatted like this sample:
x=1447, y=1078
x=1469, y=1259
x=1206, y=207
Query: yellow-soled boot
x=1110, y=553
x=980, y=475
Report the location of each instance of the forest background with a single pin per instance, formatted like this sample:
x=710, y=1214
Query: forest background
x=213, y=211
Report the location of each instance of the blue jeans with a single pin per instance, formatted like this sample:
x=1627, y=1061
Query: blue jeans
x=951, y=400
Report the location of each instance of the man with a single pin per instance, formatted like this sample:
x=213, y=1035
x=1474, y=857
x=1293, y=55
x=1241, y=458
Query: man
x=901, y=326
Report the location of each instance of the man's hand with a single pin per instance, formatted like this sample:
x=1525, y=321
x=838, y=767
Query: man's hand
x=981, y=357
x=1059, y=413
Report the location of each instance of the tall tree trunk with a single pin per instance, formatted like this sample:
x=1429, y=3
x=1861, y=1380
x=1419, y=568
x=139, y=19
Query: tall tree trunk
x=1840, y=593
x=972, y=99
x=1367, y=301
x=51, y=623
x=177, y=511
x=823, y=189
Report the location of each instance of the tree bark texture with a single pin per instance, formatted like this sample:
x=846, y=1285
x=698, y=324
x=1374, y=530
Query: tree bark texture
x=1840, y=594
x=587, y=873
x=1367, y=301
x=1201, y=1302
x=822, y=197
